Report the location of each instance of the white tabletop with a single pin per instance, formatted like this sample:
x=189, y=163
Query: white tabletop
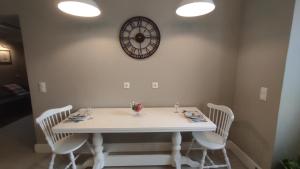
x=122, y=120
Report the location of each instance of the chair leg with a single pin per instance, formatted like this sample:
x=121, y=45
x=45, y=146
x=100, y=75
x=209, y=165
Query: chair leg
x=51, y=164
x=72, y=158
x=90, y=147
x=190, y=147
x=210, y=160
x=226, y=158
x=203, y=159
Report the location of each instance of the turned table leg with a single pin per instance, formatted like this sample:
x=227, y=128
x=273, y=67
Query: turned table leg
x=99, y=156
x=176, y=155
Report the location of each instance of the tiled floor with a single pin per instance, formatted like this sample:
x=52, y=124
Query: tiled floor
x=17, y=142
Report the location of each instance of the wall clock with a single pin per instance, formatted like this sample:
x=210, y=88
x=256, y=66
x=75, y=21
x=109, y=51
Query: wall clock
x=139, y=37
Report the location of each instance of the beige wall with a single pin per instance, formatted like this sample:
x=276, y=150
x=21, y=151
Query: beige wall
x=287, y=143
x=15, y=72
x=83, y=64
x=261, y=60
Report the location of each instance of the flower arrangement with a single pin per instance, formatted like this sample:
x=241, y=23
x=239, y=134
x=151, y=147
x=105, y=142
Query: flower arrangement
x=136, y=107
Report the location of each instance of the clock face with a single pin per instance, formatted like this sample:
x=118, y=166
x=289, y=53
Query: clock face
x=139, y=37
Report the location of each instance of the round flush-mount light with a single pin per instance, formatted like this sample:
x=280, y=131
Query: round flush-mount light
x=82, y=8
x=193, y=8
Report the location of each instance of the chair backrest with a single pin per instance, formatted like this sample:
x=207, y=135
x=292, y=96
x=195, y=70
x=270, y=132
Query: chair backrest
x=223, y=117
x=51, y=118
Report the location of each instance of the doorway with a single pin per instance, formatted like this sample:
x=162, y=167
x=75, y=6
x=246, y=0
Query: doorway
x=15, y=102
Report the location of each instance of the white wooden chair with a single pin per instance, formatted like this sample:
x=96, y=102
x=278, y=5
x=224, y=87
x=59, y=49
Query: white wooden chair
x=64, y=143
x=223, y=117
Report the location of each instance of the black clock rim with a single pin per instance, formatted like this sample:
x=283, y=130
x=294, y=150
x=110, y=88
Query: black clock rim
x=134, y=56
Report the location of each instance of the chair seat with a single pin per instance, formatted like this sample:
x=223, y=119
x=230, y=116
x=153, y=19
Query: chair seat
x=209, y=140
x=70, y=144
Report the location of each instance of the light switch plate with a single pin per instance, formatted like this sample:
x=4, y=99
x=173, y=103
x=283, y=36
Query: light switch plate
x=155, y=85
x=43, y=87
x=263, y=93
x=126, y=85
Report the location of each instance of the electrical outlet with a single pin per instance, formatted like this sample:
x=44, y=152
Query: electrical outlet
x=154, y=85
x=126, y=85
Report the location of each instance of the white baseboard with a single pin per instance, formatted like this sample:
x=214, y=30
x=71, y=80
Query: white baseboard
x=158, y=147
x=242, y=156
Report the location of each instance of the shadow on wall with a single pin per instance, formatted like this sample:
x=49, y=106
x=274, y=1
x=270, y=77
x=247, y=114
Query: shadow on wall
x=246, y=131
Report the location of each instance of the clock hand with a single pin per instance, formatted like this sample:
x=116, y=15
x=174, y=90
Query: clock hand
x=150, y=37
x=128, y=37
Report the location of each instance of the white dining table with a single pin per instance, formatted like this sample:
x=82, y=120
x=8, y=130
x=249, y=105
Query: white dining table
x=150, y=120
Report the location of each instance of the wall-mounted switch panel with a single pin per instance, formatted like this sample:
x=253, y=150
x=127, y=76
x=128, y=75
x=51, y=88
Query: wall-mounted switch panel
x=155, y=85
x=126, y=85
x=263, y=95
x=43, y=87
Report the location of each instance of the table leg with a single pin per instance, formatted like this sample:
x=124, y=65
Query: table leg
x=99, y=156
x=176, y=155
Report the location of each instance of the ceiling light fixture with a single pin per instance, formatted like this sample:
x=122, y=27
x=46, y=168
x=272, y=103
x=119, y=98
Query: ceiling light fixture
x=82, y=8
x=192, y=8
